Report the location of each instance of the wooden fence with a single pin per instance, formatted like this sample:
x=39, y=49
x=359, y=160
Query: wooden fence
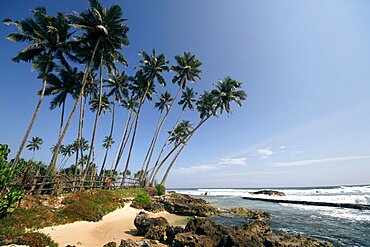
x=60, y=183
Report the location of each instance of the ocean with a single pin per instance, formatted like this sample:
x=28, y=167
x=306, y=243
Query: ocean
x=339, y=226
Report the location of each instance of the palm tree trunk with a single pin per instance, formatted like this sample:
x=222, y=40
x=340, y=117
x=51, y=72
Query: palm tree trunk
x=159, y=131
x=123, y=138
x=79, y=133
x=134, y=133
x=96, y=118
x=163, y=147
x=62, y=118
x=30, y=125
x=60, y=139
x=123, y=147
x=110, y=134
x=179, y=151
x=150, y=147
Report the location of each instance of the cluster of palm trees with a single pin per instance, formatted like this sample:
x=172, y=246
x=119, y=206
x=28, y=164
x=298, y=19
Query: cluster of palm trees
x=93, y=39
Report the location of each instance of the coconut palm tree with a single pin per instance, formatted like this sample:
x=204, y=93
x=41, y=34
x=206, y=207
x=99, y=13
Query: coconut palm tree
x=67, y=152
x=226, y=92
x=164, y=103
x=34, y=144
x=104, y=34
x=61, y=85
x=151, y=68
x=187, y=101
x=131, y=104
x=107, y=144
x=48, y=39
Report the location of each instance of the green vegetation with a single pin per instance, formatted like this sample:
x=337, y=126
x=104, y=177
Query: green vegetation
x=161, y=190
x=93, y=39
x=9, y=199
x=142, y=200
x=85, y=205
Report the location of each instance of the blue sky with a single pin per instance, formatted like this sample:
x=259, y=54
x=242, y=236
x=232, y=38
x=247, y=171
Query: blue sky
x=304, y=64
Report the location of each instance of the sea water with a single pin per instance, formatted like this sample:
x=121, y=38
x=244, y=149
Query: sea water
x=340, y=226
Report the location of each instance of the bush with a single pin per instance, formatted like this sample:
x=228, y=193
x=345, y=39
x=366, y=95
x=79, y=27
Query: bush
x=10, y=199
x=161, y=190
x=142, y=200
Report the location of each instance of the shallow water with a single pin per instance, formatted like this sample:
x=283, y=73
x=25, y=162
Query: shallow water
x=340, y=226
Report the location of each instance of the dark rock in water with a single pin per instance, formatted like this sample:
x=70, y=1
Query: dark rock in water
x=268, y=192
x=284, y=239
x=141, y=243
x=190, y=239
x=172, y=231
x=187, y=206
x=110, y=244
x=157, y=226
x=251, y=214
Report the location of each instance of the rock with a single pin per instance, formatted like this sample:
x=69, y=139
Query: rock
x=251, y=214
x=190, y=239
x=187, y=206
x=154, y=207
x=268, y=192
x=202, y=226
x=141, y=243
x=172, y=231
x=284, y=239
x=153, y=228
x=110, y=244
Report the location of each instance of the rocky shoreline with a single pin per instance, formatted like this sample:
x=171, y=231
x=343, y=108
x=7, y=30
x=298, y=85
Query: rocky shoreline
x=201, y=231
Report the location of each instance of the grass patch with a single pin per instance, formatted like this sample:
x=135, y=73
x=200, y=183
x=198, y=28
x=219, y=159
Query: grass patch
x=86, y=205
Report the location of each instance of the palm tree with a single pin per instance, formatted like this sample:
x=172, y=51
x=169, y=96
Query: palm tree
x=118, y=86
x=226, y=92
x=48, y=39
x=104, y=34
x=130, y=104
x=61, y=85
x=151, y=68
x=67, y=152
x=107, y=144
x=34, y=145
x=164, y=103
x=187, y=101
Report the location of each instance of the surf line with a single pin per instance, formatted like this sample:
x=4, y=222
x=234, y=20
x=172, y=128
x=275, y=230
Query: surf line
x=327, y=204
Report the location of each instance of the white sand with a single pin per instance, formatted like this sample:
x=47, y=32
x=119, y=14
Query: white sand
x=113, y=227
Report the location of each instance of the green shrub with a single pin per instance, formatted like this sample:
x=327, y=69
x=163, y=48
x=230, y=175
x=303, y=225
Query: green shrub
x=161, y=190
x=10, y=199
x=142, y=200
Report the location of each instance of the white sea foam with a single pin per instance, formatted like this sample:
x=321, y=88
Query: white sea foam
x=343, y=194
x=342, y=213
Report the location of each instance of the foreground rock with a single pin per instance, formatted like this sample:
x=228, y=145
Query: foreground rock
x=200, y=232
x=185, y=205
x=151, y=228
x=250, y=214
x=268, y=192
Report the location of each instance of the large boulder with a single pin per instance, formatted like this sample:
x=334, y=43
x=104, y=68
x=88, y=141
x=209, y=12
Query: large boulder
x=185, y=205
x=268, y=192
x=140, y=243
x=251, y=214
x=153, y=228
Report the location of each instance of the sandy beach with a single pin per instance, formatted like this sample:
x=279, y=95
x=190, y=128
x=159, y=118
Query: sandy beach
x=113, y=227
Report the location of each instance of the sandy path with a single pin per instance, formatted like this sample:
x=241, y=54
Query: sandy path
x=114, y=226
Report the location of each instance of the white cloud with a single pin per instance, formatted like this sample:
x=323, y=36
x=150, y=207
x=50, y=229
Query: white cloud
x=283, y=147
x=223, y=163
x=264, y=153
x=317, y=161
